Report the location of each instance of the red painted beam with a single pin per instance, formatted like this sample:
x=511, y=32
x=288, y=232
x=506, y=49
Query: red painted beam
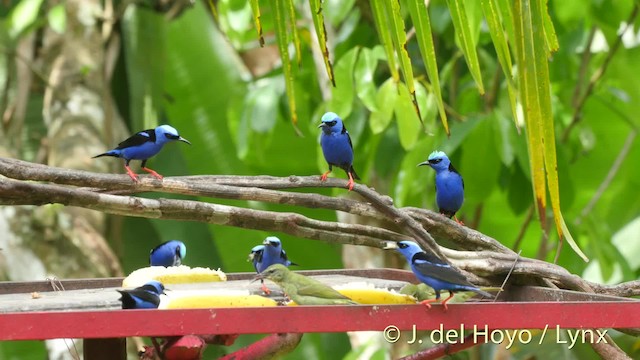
x=302, y=319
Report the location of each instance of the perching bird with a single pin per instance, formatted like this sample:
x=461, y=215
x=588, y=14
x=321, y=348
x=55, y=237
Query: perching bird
x=301, y=289
x=336, y=147
x=169, y=253
x=143, y=146
x=434, y=272
x=146, y=296
x=449, y=184
x=267, y=254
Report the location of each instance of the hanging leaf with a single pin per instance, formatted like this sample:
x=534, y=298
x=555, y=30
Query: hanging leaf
x=533, y=79
x=399, y=38
x=421, y=22
x=492, y=16
x=549, y=30
x=279, y=8
x=408, y=125
x=321, y=33
x=466, y=41
x=294, y=29
x=255, y=7
x=382, y=25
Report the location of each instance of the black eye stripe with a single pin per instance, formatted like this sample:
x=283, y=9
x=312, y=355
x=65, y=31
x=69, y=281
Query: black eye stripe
x=332, y=123
x=171, y=136
x=434, y=161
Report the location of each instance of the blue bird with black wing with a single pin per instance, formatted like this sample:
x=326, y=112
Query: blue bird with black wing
x=434, y=272
x=267, y=254
x=169, y=253
x=337, y=147
x=146, y=296
x=143, y=146
x=449, y=184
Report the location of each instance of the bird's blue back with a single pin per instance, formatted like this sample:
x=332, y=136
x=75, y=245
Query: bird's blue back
x=143, y=297
x=433, y=271
x=169, y=253
x=335, y=142
x=145, y=144
x=269, y=253
x=449, y=183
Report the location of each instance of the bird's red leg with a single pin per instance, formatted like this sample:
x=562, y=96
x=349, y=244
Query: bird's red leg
x=153, y=173
x=444, y=303
x=265, y=289
x=131, y=174
x=324, y=176
x=458, y=221
x=351, y=182
x=428, y=302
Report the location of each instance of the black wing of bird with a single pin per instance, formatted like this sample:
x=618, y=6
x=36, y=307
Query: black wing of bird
x=128, y=301
x=344, y=131
x=138, y=139
x=452, y=169
x=433, y=267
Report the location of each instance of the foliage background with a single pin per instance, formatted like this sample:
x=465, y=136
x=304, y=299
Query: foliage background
x=208, y=77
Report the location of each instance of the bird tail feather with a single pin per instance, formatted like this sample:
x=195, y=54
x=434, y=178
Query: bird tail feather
x=483, y=293
x=353, y=173
x=113, y=153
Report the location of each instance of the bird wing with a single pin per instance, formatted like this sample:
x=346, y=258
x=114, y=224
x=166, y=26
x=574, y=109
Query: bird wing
x=453, y=170
x=431, y=266
x=256, y=256
x=140, y=295
x=313, y=287
x=138, y=139
x=344, y=131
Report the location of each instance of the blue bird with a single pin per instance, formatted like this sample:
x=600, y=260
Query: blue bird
x=169, y=253
x=143, y=146
x=267, y=254
x=449, y=184
x=337, y=147
x=146, y=296
x=434, y=272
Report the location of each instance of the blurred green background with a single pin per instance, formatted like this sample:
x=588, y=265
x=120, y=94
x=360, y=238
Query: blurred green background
x=207, y=76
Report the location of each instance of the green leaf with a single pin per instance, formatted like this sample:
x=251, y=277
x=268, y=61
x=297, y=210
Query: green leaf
x=408, y=122
x=422, y=23
x=22, y=16
x=294, y=29
x=255, y=7
x=386, y=102
x=279, y=9
x=363, y=73
x=549, y=30
x=466, y=40
x=479, y=144
x=321, y=34
x=342, y=94
x=384, y=32
x=494, y=22
x=399, y=38
x=57, y=18
x=533, y=78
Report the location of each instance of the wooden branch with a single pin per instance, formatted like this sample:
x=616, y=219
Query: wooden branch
x=484, y=255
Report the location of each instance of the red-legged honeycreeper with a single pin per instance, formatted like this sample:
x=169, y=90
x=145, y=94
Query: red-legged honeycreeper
x=169, y=253
x=143, y=146
x=301, y=289
x=267, y=254
x=336, y=147
x=146, y=296
x=449, y=184
x=434, y=272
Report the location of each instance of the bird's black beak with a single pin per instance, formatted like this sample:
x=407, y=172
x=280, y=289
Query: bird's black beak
x=258, y=277
x=424, y=163
x=321, y=125
x=390, y=245
x=184, y=140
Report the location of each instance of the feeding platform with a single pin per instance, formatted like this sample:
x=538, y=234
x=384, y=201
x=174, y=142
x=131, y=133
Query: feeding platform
x=89, y=309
